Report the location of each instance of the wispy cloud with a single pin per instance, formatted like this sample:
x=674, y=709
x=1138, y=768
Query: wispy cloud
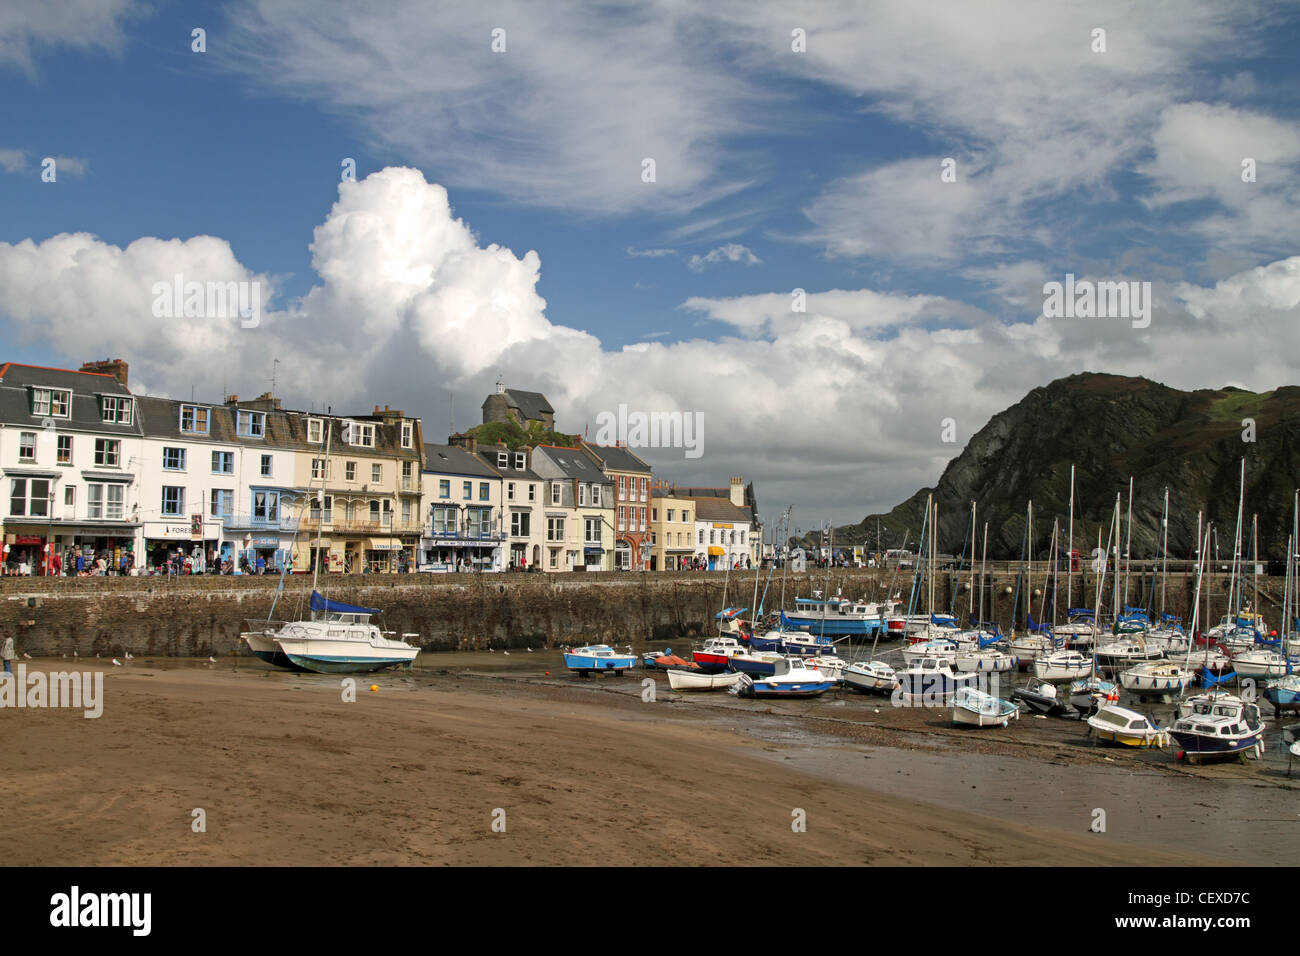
x=731, y=252
x=650, y=253
x=12, y=160
x=29, y=25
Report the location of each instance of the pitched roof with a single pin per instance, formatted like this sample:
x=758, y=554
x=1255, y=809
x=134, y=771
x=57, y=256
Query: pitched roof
x=453, y=459
x=718, y=509
x=489, y=453
x=17, y=381
x=573, y=463
x=531, y=405
x=618, y=458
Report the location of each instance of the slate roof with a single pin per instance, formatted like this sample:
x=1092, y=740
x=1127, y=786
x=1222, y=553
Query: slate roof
x=716, y=509
x=530, y=405
x=618, y=458
x=488, y=453
x=574, y=464
x=16, y=382
x=455, y=460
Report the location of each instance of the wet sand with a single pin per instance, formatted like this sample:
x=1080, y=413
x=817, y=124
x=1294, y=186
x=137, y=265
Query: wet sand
x=587, y=772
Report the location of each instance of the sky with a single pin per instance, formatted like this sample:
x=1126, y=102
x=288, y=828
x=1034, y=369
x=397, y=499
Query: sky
x=824, y=229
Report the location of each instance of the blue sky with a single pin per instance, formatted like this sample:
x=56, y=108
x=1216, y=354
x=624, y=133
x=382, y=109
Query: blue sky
x=776, y=170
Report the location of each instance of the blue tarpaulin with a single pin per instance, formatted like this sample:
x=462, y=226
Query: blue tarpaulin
x=319, y=603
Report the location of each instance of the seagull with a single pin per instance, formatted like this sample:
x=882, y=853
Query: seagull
x=96, y=655
x=130, y=656
x=492, y=650
x=26, y=656
x=116, y=662
x=506, y=653
x=65, y=655
x=74, y=653
x=530, y=650
x=212, y=660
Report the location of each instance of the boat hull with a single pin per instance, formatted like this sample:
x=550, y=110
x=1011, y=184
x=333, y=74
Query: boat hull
x=689, y=680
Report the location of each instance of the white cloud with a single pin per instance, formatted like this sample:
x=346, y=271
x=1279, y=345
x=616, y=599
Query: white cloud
x=650, y=253
x=13, y=160
x=731, y=252
x=27, y=25
x=71, y=166
x=564, y=116
x=837, y=409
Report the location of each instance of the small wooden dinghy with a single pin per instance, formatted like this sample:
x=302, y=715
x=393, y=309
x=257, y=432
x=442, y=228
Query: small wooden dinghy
x=693, y=680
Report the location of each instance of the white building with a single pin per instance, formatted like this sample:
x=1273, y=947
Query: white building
x=70, y=445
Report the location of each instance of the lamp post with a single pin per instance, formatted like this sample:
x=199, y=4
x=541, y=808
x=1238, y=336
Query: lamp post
x=49, y=534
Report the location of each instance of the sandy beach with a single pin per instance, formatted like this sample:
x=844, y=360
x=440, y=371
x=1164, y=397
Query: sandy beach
x=587, y=772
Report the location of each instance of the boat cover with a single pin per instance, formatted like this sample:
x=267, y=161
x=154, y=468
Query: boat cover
x=319, y=603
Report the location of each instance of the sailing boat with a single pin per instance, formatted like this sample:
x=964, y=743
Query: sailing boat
x=1217, y=724
x=1284, y=692
x=338, y=638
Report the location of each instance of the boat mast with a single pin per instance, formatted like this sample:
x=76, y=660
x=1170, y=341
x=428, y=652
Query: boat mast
x=1128, y=547
x=1164, y=553
x=1103, y=557
x=970, y=611
x=1069, y=572
x=1254, y=551
x=984, y=569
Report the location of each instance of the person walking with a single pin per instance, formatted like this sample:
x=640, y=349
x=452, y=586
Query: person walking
x=7, y=652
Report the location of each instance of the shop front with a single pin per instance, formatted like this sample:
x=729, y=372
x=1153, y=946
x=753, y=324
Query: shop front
x=24, y=550
x=449, y=554
x=593, y=557
x=183, y=546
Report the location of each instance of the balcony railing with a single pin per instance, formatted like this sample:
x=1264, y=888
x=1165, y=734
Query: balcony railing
x=408, y=485
x=328, y=522
x=466, y=535
x=282, y=523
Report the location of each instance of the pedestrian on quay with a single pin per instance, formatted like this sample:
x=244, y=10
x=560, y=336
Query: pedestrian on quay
x=56, y=564
x=261, y=564
x=7, y=652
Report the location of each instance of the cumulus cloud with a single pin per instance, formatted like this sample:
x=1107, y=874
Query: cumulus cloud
x=837, y=409
x=731, y=252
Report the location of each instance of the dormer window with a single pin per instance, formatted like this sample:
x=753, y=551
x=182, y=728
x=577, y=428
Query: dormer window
x=194, y=419
x=115, y=409
x=315, y=431
x=251, y=424
x=503, y=459
x=520, y=461
x=595, y=496
x=359, y=433
x=52, y=402
x=408, y=432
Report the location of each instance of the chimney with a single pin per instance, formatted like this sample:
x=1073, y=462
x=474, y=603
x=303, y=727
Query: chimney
x=232, y=399
x=473, y=445
x=114, y=367
x=737, y=492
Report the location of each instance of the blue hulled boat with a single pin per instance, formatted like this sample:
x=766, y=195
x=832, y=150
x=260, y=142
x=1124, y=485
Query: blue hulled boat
x=1217, y=725
x=839, y=617
x=599, y=658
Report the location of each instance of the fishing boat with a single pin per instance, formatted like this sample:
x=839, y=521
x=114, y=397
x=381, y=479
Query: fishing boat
x=339, y=639
x=1042, y=697
x=974, y=708
x=1283, y=693
x=870, y=677
x=790, y=678
x=1119, y=725
x=1090, y=694
x=1157, y=678
x=717, y=651
x=931, y=681
x=690, y=680
x=804, y=644
x=1217, y=725
x=1062, y=666
x=838, y=617
x=762, y=663
x=600, y=658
